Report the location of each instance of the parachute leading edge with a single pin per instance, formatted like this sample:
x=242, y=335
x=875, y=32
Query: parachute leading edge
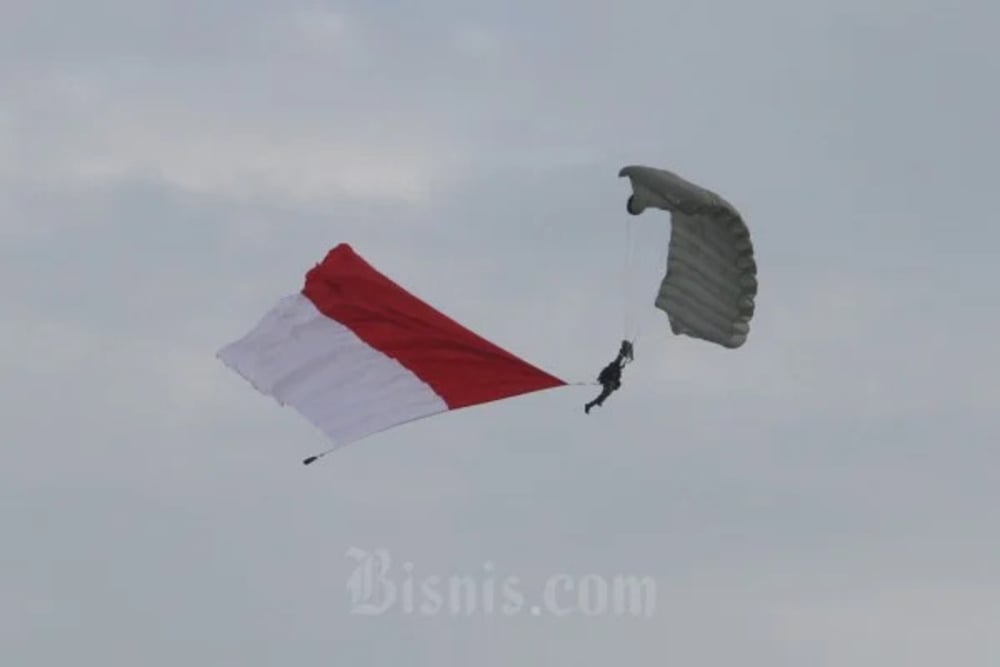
x=710, y=285
x=356, y=354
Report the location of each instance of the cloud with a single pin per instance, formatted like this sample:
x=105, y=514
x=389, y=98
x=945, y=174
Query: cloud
x=111, y=139
x=169, y=170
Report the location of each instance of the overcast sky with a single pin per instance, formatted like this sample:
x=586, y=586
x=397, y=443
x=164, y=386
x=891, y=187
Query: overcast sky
x=826, y=495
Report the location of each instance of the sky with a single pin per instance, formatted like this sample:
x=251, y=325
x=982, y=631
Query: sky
x=825, y=495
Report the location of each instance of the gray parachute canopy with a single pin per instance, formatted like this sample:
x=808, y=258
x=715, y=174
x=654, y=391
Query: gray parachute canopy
x=711, y=281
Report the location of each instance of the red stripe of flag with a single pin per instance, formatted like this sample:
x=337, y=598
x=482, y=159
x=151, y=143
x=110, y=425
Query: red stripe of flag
x=460, y=366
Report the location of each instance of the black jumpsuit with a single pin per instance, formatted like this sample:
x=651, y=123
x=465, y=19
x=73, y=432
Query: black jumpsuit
x=610, y=376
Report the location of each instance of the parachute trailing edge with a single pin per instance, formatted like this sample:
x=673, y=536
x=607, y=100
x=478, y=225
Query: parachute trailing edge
x=710, y=285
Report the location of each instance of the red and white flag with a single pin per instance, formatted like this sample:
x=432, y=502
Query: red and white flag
x=356, y=354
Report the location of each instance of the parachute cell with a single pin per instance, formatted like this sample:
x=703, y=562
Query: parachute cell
x=710, y=285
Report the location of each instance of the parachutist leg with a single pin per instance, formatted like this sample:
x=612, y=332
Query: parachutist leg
x=605, y=392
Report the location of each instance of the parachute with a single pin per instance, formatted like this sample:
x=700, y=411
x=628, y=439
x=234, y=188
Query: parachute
x=710, y=284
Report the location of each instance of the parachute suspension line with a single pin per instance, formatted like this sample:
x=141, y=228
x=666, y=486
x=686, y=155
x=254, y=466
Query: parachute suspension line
x=656, y=272
x=629, y=281
x=633, y=273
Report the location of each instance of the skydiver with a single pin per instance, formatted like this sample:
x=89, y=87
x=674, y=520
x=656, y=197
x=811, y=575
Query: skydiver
x=610, y=376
